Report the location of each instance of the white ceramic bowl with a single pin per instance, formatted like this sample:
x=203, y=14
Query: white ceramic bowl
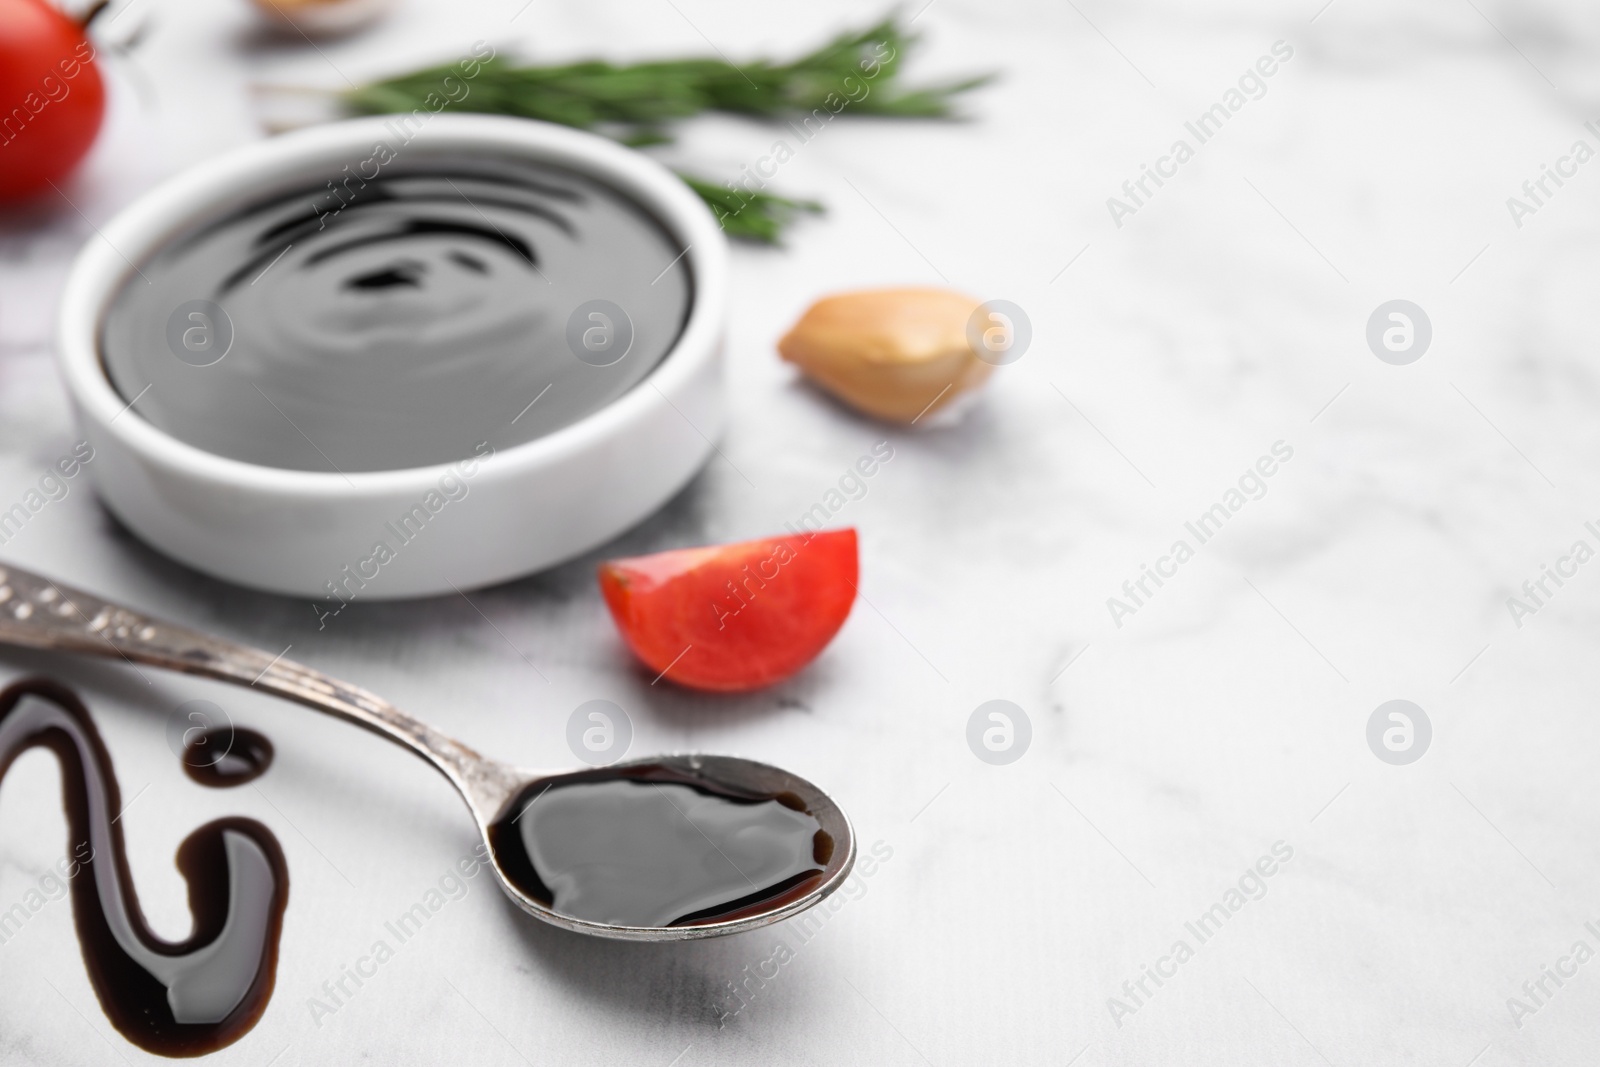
x=528, y=507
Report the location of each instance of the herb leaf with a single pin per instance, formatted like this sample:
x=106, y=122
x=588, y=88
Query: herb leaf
x=749, y=216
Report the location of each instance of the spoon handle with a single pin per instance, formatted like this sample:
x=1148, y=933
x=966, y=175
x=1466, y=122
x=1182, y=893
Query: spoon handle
x=36, y=612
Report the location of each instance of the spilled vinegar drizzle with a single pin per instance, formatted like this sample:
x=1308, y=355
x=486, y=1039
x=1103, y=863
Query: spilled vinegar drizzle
x=175, y=999
x=225, y=756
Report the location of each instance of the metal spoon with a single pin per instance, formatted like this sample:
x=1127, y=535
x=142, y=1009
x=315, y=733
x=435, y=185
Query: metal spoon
x=38, y=613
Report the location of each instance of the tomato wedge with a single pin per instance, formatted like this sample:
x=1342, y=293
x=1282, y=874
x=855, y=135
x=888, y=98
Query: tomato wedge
x=729, y=618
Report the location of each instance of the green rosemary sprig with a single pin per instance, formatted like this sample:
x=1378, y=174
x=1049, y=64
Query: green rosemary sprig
x=749, y=216
x=856, y=73
x=641, y=98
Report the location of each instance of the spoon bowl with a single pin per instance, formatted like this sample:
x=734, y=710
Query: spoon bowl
x=729, y=773
x=36, y=612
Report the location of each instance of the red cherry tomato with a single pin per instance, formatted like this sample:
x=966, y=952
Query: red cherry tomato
x=51, y=97
x=734, y=617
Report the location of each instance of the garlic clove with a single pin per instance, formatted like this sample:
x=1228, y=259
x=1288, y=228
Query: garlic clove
x=324, y=18
x=895, y=354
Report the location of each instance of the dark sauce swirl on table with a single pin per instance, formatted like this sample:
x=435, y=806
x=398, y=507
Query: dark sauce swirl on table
x=183, y=998
x=652, y=846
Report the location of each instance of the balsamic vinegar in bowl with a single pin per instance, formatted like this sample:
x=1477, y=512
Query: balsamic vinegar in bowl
x=315, y=342
x=397, y=322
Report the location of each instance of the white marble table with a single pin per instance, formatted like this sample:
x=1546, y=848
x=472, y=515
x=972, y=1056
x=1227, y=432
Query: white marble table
x=1170, y=753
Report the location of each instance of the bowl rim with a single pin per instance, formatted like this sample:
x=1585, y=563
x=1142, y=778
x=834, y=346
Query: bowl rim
x=110, y=258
